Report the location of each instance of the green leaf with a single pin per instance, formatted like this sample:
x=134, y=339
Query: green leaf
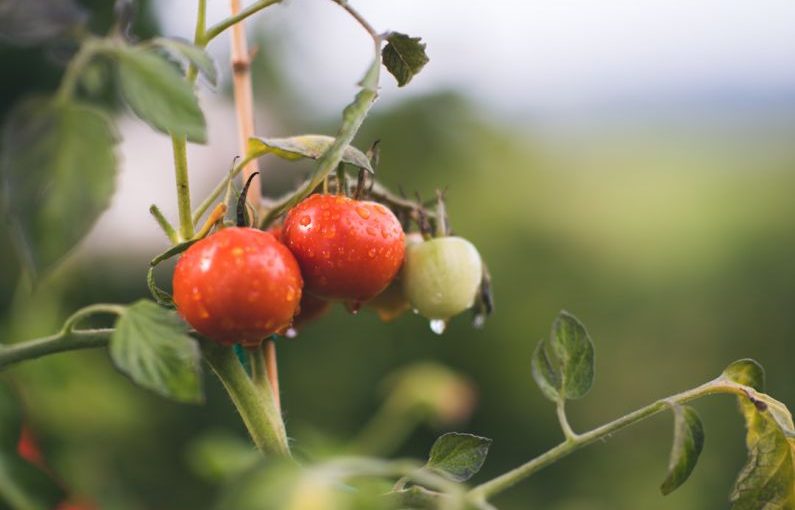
x=687, y=446
x=404, y=57
x=58, y=169
x=746, y=372
x=193, y=54
x=10, y=417
x=25, y=486
x=768, y=478
x=159, y=94
x=152, y=346
x=563, y=365
x=305, y=146
x=458, y=456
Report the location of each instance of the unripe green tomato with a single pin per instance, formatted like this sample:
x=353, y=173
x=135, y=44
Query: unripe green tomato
x=441, y=276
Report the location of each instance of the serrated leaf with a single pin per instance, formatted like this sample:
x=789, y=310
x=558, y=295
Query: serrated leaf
x=563, y=364
x=159, y=94
x=193, y=54
x=31, y=22
x=458, y=456
x=58, y=171
x=404, y=57
x=768, y=479
x=151, y=345
x=25, y=486
x=305, y=146
x=746, y=372
x=687, y=445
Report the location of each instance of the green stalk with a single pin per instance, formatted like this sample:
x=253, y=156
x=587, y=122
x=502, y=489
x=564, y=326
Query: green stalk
x=255, y=405
x=216, y=30
x=179, y=146
x=573, y=443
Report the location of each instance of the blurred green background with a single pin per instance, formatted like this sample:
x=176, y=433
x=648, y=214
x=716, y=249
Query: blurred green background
x=671, y=238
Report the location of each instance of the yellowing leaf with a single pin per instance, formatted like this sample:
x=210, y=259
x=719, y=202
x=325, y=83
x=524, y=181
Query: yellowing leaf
x=305, y=146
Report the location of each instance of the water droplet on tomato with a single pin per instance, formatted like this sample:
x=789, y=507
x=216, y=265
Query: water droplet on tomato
x=305, y=221
x=371, y=253
x=291, y=332
x=363, y=212
x=438, y=326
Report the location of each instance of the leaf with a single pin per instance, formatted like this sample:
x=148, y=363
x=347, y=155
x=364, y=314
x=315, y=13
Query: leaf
x=563, y=365
x=768, y=478
x=193, y=54
x=58, y=170
x=32, y=22
x=25, y=486
x=458, y=456
x=404, y=57
x=159, y=94
x=305, y=146
x=746, y=372
x=687, y=445
x=151, y=345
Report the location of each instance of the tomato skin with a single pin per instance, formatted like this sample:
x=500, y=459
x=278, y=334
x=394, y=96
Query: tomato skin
x=347, y=249
x=238, y=285
x=441, y=276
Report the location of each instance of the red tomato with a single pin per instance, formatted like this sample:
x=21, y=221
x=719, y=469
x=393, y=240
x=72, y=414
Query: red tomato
x=238, y=285
x=28, y=448
x=311, y=308
x=347, y=249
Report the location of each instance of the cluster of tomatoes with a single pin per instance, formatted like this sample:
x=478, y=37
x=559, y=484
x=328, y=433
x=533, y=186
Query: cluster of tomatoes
x=241, y=284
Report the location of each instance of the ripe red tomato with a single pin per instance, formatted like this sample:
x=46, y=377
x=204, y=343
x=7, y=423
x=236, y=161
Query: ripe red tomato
x=347, y=249
x=238, y=285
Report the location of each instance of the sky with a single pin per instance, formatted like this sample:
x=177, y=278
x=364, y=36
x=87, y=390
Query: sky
x=540, y=55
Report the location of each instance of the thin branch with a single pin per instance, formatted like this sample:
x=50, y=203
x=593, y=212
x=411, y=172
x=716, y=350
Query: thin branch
x=237, y=17
x=492, y=487
x=61, y=342
x=358, y=17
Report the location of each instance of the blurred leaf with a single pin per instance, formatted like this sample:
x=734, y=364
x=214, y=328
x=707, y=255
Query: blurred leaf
x=151, y=345
x=58, y=171
x=159, y=94
x=746, y=372
x=10, y=417
x=220, y=456
x=24, y=486
x=404, y=57
x=458, y=456
x=193, y=54
x=563, y=365
x=687, y=445
x=32, y=22
x=305, y=146
x=768, y=478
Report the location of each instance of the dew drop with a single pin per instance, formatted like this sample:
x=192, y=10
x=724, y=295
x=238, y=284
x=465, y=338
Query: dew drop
x=363, y=212
x=291, y=332
x=479, y=321
x=371, y=253
x=371, y=231
x=415, y=311
x=353, y=306
x=438, y=326
x=305, y=221
x=329, y=233
x=325, y=254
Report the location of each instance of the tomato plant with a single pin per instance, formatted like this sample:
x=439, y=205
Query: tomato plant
x=333, y=237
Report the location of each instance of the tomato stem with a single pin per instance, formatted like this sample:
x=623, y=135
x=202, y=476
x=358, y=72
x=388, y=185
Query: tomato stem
x=257, y=408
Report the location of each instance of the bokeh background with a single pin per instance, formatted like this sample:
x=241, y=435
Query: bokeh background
x=630, y=162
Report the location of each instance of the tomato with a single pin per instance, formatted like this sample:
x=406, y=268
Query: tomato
x=310, y=309
x=392, y=302
x=441, y=277
x=238, y=285
x=347, y=249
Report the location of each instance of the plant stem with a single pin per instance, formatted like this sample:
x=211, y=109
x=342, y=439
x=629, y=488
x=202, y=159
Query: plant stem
x=492, y=487
x=256, y=408
x=564, y=422
x=272, y=368
x=217, y=29
x=76, y=66
x=358, y=17
x=60, y=342
x=164, y=224
x=179, y=145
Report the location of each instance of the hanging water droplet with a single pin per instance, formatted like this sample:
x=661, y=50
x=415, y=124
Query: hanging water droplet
x=438, y=326
x=415, y=311
x=353, y=306
x=291, y=332
x=479, y=321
